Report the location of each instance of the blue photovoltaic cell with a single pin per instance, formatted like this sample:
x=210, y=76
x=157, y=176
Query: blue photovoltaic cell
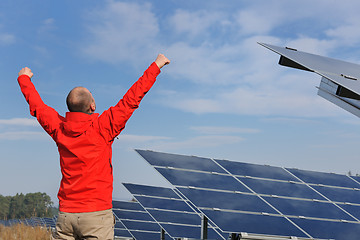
x=36, y=221
x=254, y=170
x=144, y=226
x=308, y=208
x=49, y=222
x=123, y=233
x=329, y=230
x=330, y=179
x=190, y=232
x=223, y=200
x=142, y=216
x=357, y=179
x=148, y=236
x=127, y=205
x=150, y=190
x=175, y=217
x=168, y=204
x=203, y=180
x=339, y=194
x=352, y=209
x=286, y=189
x=177, y=231
x=251, y=223
x=119, y=224
x=180, y=161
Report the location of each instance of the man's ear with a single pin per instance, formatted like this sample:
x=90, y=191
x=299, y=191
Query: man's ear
x=93, y=107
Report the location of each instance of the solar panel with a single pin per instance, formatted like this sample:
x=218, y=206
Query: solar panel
x=329, y=179
x=308, y=208
x=277, y=188
x=356, y=178
x=132, y=221
x=240, y=197
x=185, y=162
x=205, y=199
x=170, y=211
x=341, y=195
x=341, y=72
x=254, y=170
x=340, y=80
x=49, y=222
x=201, y=179
x=253, y=223
x=34, y=222
x=329, y=229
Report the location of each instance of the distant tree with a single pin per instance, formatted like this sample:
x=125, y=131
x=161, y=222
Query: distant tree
x=16, y=208
x=26, y=206
x=4, y=207
x=350, y=174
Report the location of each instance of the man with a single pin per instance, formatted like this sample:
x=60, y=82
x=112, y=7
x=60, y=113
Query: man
x=84, y=141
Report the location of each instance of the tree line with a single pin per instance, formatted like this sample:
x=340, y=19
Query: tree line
x=29, y=205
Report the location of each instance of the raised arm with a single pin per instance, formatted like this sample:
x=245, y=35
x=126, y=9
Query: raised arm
x=48, y=118
x=113, y=120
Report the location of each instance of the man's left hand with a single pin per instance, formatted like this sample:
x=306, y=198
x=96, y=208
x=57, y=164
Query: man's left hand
x=26, y=71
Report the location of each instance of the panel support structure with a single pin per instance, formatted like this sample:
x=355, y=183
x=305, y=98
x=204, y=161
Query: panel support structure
x=204, y=227
x=162, y=234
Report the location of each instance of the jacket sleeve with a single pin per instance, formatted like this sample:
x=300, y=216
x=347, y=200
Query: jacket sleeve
x=113, y=120
x=48, y=118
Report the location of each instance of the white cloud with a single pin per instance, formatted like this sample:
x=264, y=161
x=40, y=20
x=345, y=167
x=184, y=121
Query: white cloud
x=20, y=122
x=23, y=135
x=194, y=23
x=121, y=31
x=7, y=38
x=257, y=20
x=129, y=138
x=348, y=34
x=199, y=142
x=47, y=25
x=312, y=45
x=214, y=130
x=213, y=138
x=195, y=105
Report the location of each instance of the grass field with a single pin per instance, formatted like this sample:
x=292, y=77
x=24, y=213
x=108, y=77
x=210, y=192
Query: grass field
x=23, y=232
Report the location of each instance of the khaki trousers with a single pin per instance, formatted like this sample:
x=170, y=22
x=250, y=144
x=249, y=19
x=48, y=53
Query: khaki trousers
x=88, y=225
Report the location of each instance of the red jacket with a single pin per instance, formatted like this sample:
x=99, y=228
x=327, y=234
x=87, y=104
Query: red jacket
x=84, y=142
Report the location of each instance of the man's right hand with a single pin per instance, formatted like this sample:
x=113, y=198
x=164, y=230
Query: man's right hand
x=26, y=71
x=161, y=60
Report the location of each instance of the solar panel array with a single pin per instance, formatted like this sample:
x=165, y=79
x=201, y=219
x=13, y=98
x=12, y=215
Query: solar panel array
x=261, y=200
x=133, y=222
x=175, y=215
x=34, y=221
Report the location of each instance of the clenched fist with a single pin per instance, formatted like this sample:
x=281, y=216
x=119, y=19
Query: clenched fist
x=161, y=60
x=26, y=71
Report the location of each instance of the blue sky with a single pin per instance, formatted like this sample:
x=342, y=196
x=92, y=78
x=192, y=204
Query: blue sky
x=223, y=95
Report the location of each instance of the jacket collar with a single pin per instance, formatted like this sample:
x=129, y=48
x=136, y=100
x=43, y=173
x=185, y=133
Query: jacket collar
x=79, y=116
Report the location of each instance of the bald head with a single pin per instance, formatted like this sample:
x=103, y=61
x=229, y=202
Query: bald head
x=80, y=99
